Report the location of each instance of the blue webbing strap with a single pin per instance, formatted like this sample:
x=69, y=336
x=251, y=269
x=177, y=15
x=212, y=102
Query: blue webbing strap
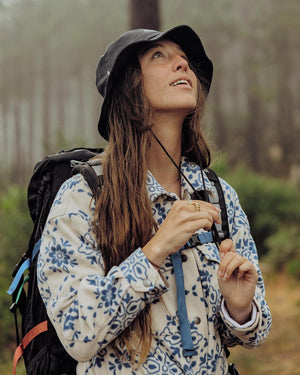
x=24, y=266
x=18, y=276
x=184, y=325
x=198, y=239
x=36, y=249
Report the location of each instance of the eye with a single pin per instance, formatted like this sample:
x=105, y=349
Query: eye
x=157, y=54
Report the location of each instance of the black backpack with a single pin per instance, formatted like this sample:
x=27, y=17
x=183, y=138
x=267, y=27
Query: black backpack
x=40, y=347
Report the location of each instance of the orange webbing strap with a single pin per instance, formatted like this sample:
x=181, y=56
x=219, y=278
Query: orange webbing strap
x=35, y=331
x=17, y=355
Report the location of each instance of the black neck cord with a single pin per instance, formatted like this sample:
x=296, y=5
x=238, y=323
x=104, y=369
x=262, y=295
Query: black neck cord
x=214, y=229
x=178, y=168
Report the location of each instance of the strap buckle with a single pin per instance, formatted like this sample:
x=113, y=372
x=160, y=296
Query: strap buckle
x=199, y=239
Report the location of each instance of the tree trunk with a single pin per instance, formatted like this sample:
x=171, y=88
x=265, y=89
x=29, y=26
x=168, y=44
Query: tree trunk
x=286, y=129
x=4, y=120
x=80, y=97
x=252, y=134
x=218, y=115
x=144, y=14
x=60, y=102
x=17, y=146
x=45, y=105
x=31, y=135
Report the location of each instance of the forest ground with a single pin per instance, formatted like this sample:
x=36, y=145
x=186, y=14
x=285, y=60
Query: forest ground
x=279, y=355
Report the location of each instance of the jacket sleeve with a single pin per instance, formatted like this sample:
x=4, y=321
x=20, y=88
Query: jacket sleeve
x=87, y=309
x=254, y=335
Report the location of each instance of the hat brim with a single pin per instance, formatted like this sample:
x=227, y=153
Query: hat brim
x=182, y=35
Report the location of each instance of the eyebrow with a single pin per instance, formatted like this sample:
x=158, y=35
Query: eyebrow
x=157, y=44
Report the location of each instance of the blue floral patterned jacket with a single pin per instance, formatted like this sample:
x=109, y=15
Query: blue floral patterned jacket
x=88, y=309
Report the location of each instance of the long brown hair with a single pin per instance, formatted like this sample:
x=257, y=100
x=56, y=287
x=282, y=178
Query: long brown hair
x=123, y=218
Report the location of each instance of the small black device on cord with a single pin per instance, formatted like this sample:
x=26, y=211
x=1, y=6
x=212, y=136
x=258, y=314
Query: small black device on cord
x=214, y=229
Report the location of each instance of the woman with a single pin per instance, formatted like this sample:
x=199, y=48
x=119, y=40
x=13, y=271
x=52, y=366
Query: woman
x=107, y=268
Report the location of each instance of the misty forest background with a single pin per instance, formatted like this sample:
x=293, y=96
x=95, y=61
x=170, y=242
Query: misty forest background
x=48, y=102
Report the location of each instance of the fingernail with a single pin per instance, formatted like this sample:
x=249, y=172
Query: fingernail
x=220, y=274
x=222, y=255
x=225, y=276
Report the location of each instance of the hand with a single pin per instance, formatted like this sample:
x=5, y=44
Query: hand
x=180, y=224
x=237, y=278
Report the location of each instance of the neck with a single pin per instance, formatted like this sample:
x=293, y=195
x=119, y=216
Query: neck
x=164, y=171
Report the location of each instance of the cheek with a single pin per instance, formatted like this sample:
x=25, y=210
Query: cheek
x=150, y=87
x=196, y=83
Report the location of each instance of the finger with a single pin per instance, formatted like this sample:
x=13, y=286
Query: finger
x=248, y=271
x=201, y=206
x=226, y=246
x=204, y=205
x=229, y=264
x=216, y=216
x=205, y=224
x=201, y=220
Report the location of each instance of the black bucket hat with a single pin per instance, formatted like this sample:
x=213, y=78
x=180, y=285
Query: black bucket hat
x=111, y=64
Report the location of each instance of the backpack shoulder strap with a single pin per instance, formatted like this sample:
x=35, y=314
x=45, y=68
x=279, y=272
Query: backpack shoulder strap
x=92, y=172
x=218, y=199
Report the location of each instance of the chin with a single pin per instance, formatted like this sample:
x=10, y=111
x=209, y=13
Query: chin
x=186, y=108
x=188, y=105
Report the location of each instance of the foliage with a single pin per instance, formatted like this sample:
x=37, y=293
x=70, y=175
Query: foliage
x=273, y=210
x=6, y=318
x=6, y=367
x=285, y=254
x=15, y=228
x=15, y=225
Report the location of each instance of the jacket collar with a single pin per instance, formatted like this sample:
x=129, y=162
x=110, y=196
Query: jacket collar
x=192, y=171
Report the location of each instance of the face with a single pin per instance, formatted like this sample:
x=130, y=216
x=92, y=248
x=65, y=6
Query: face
x=169, y=83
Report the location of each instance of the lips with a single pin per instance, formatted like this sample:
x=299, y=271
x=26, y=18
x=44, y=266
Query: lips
x=181, y=81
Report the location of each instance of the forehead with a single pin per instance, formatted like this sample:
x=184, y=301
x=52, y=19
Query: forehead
x=164, y=43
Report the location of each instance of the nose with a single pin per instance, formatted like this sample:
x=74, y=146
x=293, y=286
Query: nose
x=180, y=63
